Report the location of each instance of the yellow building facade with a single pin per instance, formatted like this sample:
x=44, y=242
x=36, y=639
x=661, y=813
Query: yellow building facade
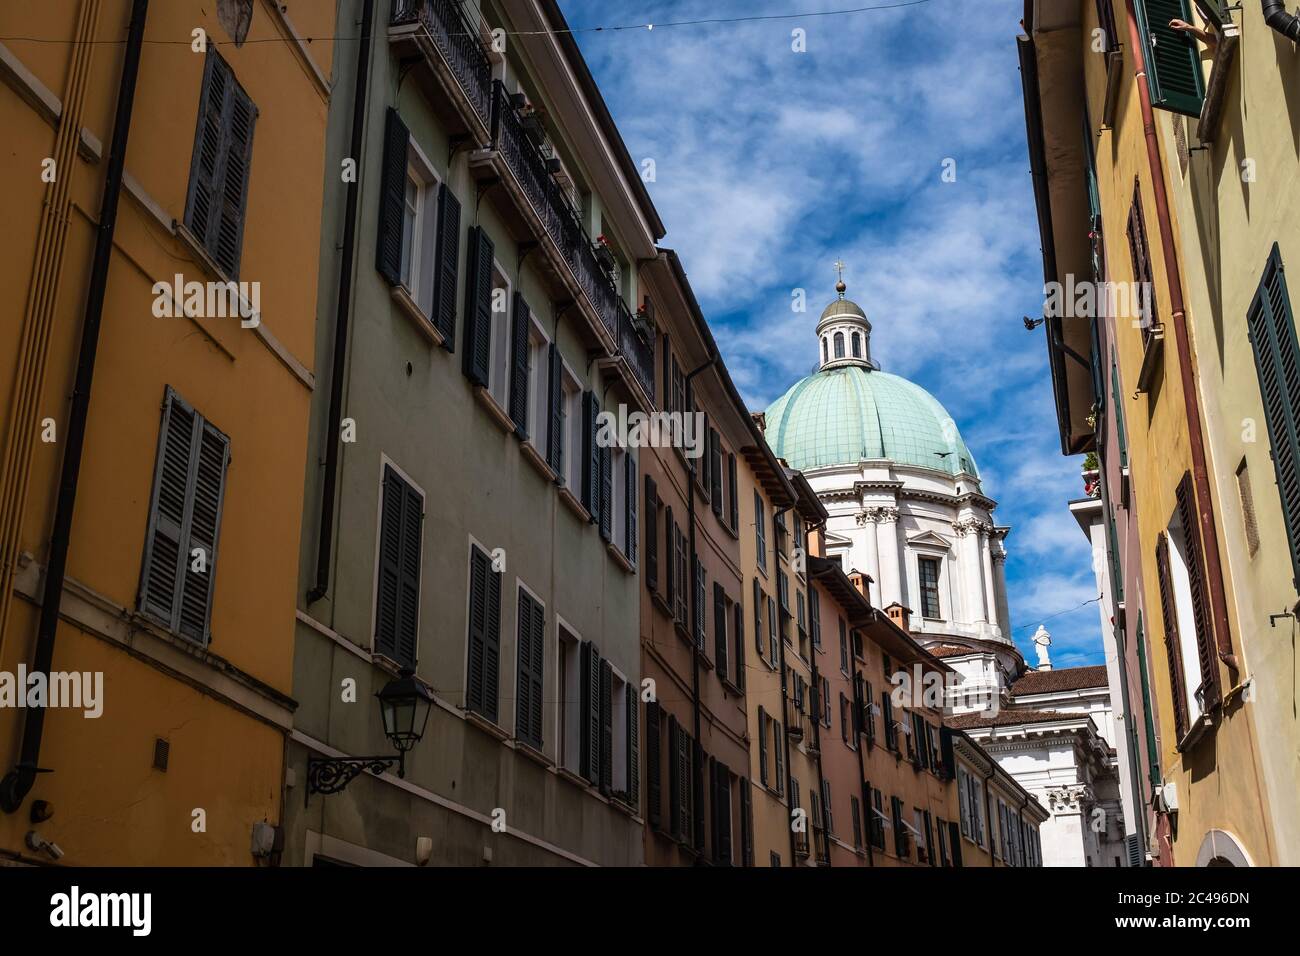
x=1137, y=161
x=176, y=615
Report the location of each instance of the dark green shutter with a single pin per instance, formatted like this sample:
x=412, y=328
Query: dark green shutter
x=591, y=456
x=699, y=603
x=733, y=501
x=715, y=471
x=654, y=780
x=185, y=516
x=629, y=506
x=633, y=746
x=605, y=462
x=746, y=823
x=1277, y=361
x=815, y=616
x=606, y=727
x=1172, y=60
x=519, y=365
x=675, y=772
x=738, y=613
x=478, y=307
x=720, y=629
x=670, y=559
x=392, y=199
x=397, y=598
x=555, y=412
x=447, y=266
x=1206, y=648
x=762, y=745
x=484, y=635
x=590, y=713
x=219, y=165
x=760, y=640
x=532, y=639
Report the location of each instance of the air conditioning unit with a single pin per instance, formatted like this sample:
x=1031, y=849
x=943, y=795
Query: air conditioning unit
x=1167, y=798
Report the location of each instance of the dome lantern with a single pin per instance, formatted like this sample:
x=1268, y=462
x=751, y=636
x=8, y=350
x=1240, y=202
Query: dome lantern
x=843, y=332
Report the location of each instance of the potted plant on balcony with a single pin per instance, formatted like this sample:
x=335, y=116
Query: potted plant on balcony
x=1091, y=475
x=533, y=121
x=604, y=253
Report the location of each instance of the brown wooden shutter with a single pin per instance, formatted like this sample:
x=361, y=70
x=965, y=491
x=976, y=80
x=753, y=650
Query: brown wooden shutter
x=1206, y=648
x=1177, y=690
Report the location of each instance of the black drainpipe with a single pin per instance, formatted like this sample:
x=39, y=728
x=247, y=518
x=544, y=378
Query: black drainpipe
x=19, y=781
x=697, y=749
x=1287, y=24
x=988, y=814
x=343, y=308
x=785, y=683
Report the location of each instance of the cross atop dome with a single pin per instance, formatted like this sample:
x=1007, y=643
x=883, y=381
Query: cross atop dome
x=840, y=287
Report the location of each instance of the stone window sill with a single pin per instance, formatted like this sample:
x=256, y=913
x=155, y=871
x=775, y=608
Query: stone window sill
x=406, y=305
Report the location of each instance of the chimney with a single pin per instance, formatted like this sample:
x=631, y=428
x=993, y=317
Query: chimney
x=902, y=616
x=861, y=582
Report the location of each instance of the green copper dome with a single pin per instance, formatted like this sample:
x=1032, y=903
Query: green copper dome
x=843, y=415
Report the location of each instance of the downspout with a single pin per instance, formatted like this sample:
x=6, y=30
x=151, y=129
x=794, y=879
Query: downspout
x=697, y=764
x=1287, y=24
x=785, y=685
x=1191, y=402
x=19, y=781
x=343, y=308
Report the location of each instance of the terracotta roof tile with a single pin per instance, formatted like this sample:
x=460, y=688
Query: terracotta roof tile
x=1067, y=678
x=1005, y=718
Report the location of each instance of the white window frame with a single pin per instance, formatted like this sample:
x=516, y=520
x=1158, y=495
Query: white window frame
x=568, y=711
x=417, y=262
x=539, y=385
x=499, y=340
x=571, y=397
x=618, y=730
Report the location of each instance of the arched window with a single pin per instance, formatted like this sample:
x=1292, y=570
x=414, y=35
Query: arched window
x=839, y=345
x=824, y=355
x=857, y=345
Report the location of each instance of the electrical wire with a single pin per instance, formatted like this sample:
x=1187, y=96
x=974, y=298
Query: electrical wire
x=612, y=28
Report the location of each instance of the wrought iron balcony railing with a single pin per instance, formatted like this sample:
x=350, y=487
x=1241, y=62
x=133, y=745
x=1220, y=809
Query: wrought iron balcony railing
x=459, y=44
x=637, y=349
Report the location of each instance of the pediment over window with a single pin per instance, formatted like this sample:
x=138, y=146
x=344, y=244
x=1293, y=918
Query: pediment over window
x=931, y=540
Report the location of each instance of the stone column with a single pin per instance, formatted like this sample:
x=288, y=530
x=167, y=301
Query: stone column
x=971, y=570
x=891, y=587
x=986, y=558
x=867, y=521
x=1000, y=582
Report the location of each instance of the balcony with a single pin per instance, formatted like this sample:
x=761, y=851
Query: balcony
x=437, y=31
x=514, y=157
x=796, y=723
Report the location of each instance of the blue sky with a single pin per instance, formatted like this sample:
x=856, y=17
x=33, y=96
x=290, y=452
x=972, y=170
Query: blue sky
x=771, y=164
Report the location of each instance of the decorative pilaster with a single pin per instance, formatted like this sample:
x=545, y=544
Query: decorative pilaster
x=969, y=532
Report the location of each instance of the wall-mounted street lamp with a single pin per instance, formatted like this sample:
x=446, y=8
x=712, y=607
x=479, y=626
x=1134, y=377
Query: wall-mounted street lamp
x=404, y=709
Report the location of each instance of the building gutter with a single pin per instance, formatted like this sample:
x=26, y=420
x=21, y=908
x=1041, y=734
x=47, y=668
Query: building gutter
x=343, y=309
x=19, y=781
x=1191, y=401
